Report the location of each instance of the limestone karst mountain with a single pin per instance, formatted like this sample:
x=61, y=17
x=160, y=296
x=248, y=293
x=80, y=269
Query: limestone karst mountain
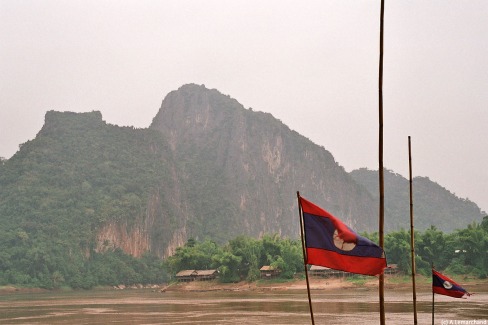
x=206, y=168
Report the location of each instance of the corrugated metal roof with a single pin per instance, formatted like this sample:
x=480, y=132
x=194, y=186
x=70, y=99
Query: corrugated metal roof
x=267, y=268
x=318, y=268
x=205, y=272
x=186, y=273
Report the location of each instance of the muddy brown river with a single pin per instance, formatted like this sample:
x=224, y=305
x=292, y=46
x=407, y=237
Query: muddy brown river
x=344, y=307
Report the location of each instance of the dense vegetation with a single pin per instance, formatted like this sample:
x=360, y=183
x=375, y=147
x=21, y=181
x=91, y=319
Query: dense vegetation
x=241, y=258
x=464, y=251
x=461, y=252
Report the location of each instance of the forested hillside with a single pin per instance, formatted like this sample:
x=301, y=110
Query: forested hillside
x=60, y=190
x=433, y=205
x=88, y=203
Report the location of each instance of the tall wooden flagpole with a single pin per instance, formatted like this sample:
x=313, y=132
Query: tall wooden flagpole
x=432, y=267
x=412, y=234
x=305, y=257
x=380, y=169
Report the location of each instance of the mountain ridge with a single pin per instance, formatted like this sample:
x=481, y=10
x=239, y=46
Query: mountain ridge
x=432, y=203
x=205, y=167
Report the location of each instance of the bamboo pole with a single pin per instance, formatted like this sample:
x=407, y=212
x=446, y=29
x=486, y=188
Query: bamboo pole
x=305, y=257
x=380, y=169
x=432, y=295
x=412, y=234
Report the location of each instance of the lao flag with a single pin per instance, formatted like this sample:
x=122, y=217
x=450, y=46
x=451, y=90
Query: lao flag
x=442, y=285
x=332, y=244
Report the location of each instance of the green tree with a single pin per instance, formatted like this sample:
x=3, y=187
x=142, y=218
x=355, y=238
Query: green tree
x=398, y=250
x=250, y=251
x=471, y=248
x=290, y=259
x=193, y=256
x=433, y=247
x=228, y=266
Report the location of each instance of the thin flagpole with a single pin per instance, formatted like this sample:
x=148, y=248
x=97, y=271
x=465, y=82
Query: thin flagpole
x=305, y=256
x=412, y=240
x=433, y=295
x=380, y=171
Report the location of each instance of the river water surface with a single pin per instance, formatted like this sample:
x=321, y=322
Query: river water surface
x=345, y=307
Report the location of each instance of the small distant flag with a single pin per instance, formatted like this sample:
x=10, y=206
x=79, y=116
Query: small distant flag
x=442, y=285
x=330, y=243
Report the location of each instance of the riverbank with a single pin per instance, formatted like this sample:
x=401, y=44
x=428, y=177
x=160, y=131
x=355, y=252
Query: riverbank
x=13, y=289
x=397, y=283
x=392, y=283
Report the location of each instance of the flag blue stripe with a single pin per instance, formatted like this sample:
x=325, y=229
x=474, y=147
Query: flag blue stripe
x=319, y=234
x=438, y=282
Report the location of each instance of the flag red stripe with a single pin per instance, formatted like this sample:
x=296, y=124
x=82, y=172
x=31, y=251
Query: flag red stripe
x=452, y=293
x=353, y=264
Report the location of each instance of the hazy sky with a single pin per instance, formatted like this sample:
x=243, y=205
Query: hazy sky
x=312, y=64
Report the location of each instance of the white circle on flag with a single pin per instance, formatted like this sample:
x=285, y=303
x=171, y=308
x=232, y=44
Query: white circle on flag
x=447, y=285
x=341, y=244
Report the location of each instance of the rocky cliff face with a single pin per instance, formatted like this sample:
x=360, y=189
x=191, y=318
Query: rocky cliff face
x=241, y=169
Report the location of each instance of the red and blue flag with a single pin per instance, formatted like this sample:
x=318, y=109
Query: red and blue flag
x=442, y=285
x=330, y=243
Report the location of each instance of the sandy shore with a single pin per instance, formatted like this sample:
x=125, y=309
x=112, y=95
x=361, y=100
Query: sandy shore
x=391, y=283
x=267, y=285
x=397, y=283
